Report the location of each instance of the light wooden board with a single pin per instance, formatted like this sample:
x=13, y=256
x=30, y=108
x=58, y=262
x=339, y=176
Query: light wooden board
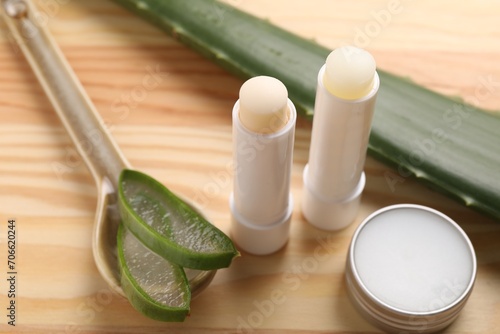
x=180, y=133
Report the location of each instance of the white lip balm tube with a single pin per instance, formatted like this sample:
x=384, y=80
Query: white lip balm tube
x=343, y=112
x=263, y=136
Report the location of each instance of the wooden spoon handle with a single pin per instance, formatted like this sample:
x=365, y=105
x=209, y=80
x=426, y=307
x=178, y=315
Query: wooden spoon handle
x=72, y=104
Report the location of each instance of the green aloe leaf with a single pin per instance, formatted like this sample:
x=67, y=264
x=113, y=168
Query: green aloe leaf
x=155, y=287
x=451, y=146
x=170, y=227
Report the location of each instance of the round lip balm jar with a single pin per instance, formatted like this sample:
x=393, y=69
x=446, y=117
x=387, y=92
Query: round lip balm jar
x=410, y=269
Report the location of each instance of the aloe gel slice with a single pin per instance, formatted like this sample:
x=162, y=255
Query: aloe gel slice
x=154, y=286
x=451, y=146
x=170, y=227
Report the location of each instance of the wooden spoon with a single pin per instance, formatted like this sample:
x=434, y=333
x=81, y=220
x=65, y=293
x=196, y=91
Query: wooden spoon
x=91, y=138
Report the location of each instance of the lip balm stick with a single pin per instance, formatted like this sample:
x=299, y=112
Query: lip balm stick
x=263, y=136
x=343, y=111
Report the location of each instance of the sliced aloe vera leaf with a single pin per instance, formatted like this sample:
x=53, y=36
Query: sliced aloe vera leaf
x=451, y=146
x=170, y=227
x=154, y=286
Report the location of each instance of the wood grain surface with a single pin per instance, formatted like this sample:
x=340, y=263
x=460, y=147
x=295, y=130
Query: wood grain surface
x=180, y=133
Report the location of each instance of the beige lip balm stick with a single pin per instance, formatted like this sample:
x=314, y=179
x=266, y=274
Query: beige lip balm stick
x=263, y=136
x=343, y=112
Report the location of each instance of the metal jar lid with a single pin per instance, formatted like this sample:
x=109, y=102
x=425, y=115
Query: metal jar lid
x=410, y=269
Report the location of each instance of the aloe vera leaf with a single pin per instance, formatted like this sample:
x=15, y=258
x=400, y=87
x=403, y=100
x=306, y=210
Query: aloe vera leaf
x=170, y=227
x=160, y=291
x=451, y=146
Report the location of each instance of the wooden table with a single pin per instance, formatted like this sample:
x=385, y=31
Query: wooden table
x=180, y=133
